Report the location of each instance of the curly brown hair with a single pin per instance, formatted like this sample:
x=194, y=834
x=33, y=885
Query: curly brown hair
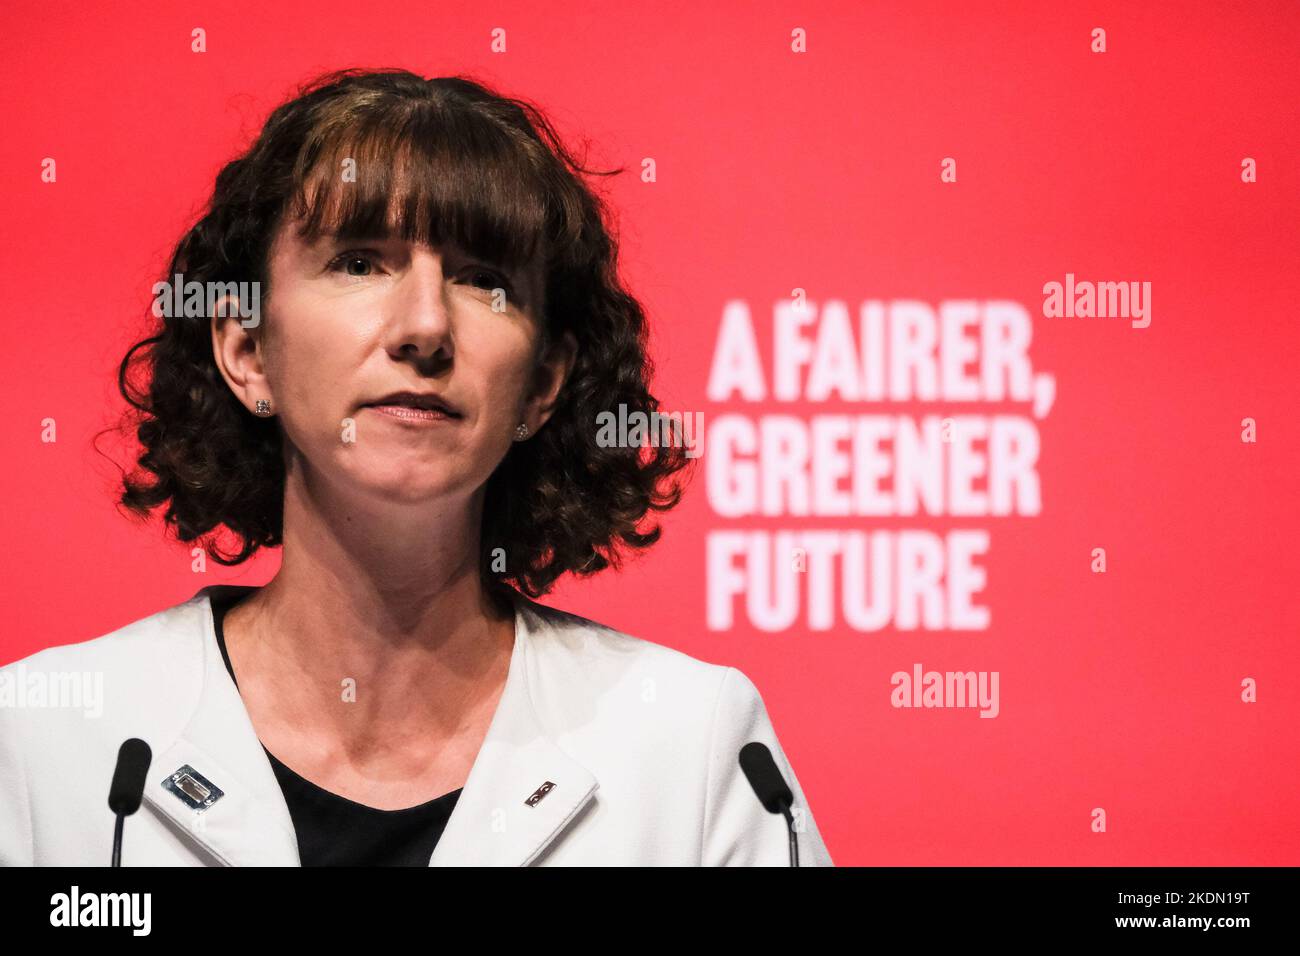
x=484, y=172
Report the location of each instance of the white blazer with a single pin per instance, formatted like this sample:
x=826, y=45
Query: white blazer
x=605, y=750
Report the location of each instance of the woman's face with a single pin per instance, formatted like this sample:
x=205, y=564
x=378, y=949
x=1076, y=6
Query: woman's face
x=349, y=323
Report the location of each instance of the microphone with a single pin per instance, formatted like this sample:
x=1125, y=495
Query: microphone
x=124, y=795
x=770, y=787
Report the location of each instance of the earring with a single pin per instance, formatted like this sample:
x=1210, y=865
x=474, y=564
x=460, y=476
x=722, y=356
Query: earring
x=263, y=407
x=521, y=432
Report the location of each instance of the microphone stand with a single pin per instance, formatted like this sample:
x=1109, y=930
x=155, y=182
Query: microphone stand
x=117, y=840
x=794, y=841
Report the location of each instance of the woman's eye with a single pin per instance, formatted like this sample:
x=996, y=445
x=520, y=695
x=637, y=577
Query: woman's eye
x=357, y=264
x=490, y=279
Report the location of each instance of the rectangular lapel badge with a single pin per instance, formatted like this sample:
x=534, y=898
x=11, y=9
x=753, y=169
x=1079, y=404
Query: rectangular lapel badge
x=193, y=789
x=540, y=792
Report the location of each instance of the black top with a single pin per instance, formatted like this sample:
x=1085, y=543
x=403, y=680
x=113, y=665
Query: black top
x=333, y=830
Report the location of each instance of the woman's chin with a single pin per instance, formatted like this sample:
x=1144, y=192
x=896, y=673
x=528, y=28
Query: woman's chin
x=413, y=486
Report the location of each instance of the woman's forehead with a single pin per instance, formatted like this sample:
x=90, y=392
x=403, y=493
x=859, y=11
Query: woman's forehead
x=397, y=216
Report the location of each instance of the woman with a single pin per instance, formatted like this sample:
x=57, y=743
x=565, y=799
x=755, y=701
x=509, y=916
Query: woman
x=409, y=411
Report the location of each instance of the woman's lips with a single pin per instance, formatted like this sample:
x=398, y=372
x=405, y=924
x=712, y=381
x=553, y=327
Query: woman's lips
x=418, y=416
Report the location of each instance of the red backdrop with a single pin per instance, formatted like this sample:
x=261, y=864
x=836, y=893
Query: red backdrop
x=778, y=169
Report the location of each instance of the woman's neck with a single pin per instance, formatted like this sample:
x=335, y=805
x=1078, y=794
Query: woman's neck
x=376, y=633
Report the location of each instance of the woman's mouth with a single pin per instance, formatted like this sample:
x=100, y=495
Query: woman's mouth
x=409, y=413
x=417, y=408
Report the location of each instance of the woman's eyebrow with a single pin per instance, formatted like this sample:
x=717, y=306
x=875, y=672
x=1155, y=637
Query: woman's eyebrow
x=335, y=235
x=328, y=241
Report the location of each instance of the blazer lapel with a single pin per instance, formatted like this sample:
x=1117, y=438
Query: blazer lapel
x=215, y=782
x=523, y=790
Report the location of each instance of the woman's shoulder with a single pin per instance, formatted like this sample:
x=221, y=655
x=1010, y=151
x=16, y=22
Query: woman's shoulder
x=142, y=676
x=576, y=660
x=156, y=638
x=567, y=633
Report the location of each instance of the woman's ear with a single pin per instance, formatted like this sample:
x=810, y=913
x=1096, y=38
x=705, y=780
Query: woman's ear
x=552, y=372
x=238, y=353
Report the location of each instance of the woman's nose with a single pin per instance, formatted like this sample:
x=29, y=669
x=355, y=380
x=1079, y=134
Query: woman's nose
x=418, y=315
